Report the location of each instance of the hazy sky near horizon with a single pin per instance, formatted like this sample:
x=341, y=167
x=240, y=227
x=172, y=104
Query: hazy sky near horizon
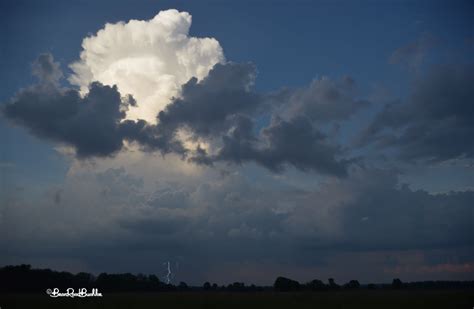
x=239, y=141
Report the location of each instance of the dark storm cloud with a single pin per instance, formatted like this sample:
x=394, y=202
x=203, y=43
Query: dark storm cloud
x=151, y=137
x=158, y=226
x=292, y=140
x=90, y=124
x=208, y=222
x=322, y=100
x=223, y=108
x=295, y=142
x=370, y=211
x=435, y=123
x=205, y=106
x=385, y=215
x=299, y=143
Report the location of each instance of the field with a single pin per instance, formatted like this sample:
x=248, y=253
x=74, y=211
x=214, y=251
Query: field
x=336, y=299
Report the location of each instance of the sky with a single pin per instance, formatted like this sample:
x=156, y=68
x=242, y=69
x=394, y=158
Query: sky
x=239, y=141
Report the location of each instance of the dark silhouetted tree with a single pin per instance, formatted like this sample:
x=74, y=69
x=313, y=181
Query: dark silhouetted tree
x=316, y=285
x=236, y=287
x=182, y=286
x=397, y=283
x=332, y=284
x=23, y=278
x=353, y=284
x=84, y=279
x=285, y=284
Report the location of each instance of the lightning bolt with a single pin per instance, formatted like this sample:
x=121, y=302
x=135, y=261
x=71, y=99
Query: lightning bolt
x=168, y=275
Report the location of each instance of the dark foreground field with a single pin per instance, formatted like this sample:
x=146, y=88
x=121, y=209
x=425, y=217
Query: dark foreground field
x=296, y=300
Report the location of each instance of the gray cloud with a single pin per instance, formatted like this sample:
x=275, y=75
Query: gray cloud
x=218, y=222
x=46, y=69
x=435, y=122
x=151, y=138
x=94, y=124
x=323, y=100
x=384, y=215
x=90, y=124
x=221, y=109
x=296, y=142
x=205, y=107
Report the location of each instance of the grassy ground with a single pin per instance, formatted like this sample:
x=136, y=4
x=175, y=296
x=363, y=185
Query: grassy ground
x=342, y=299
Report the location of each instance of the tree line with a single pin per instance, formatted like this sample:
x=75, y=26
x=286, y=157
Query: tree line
x=23, y=278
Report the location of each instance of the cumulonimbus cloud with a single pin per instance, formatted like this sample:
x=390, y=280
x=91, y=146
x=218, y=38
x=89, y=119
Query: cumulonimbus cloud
x=148, y=83
x=149, y=59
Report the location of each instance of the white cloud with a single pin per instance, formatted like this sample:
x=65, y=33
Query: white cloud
x=149, y=59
